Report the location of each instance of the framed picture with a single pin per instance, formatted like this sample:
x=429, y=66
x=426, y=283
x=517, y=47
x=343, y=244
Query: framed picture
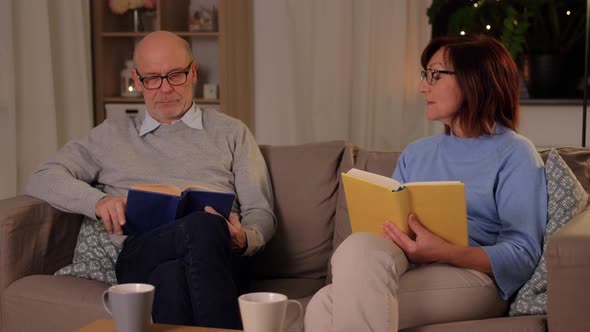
x=203, y=19
x=210, y=91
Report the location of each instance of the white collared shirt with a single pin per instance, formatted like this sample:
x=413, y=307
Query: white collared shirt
x=192, y=118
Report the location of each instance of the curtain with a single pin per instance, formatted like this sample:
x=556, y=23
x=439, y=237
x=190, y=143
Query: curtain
x=340, y=69
x=45, y=85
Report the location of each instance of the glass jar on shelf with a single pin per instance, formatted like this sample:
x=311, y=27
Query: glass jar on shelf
x=127, y=83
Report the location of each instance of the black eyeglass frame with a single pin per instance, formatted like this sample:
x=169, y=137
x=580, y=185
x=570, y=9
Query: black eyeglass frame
x=424, y=75
x=186, y=71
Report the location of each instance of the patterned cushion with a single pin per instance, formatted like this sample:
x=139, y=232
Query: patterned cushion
x=95, y=255
x=565, y=198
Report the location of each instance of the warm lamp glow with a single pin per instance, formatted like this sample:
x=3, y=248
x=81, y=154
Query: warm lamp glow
x=488, y=27
x=568, y=13
x=127, y=87
x=462, y=33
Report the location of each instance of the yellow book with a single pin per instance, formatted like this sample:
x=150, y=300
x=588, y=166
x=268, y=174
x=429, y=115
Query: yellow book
x=372, y=199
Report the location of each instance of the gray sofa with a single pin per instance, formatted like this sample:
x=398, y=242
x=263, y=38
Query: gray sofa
x=36, y=240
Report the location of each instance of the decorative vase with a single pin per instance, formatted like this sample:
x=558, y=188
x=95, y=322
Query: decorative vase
x=148, y=20
x=136, y=16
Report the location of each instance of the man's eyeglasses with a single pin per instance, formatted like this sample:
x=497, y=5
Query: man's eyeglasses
x=432, y=75
x=175, y=78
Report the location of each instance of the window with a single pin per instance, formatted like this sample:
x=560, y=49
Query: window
x=545, y=37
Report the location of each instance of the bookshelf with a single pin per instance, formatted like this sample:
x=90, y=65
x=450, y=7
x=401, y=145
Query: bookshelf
x=224, y=54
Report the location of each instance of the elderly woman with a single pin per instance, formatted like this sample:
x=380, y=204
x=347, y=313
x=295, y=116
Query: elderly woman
x=471, y=84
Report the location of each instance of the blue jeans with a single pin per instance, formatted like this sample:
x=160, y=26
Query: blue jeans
x=191, y=265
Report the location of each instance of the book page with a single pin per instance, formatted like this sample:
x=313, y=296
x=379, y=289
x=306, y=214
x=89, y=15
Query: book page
x=200, y=187
x=159, y=188
x=432, y=183
x=384, y=181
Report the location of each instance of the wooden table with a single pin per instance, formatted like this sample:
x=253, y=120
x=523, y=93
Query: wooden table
x=107, y=325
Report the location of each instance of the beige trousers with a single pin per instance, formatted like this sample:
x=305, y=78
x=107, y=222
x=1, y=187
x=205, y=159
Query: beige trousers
x=369, y=293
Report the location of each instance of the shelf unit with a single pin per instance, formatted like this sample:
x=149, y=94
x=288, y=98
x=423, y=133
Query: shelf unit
x=227, y=58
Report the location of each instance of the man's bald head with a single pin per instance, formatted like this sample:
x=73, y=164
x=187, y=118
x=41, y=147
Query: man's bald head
x=161, y=40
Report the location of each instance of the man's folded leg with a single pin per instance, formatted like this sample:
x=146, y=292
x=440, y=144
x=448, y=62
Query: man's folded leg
x=200, y=245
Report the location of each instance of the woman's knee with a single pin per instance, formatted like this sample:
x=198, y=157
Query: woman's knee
x=318, y=314
x=361, y=249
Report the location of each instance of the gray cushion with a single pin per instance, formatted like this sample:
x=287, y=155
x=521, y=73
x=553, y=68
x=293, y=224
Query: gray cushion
x=577, y=160
x=565, y=198
x=305, y=183
x=95, y=255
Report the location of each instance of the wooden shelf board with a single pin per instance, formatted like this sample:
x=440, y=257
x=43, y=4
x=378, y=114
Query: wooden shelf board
x=128, y=34
x=123, y=100
x=206, y=101
x=124, y=34
x=140, y=100
x=197, y=34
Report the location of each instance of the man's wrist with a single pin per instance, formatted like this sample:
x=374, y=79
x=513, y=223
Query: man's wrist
x=243, y=250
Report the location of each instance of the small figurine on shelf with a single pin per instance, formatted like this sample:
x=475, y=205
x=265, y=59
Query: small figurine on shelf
x=203, y=19
x=127, y=84
x=210, y=91
x=143, y=12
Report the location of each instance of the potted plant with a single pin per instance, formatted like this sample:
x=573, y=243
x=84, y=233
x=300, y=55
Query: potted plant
x=538, y=33
x=552, y=36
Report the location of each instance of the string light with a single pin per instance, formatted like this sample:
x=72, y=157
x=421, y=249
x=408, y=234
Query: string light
x=462, y=33
x=475, y=5
x=568, y=13
x=488, y=27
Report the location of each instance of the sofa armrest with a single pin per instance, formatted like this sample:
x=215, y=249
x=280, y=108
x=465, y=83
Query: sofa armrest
x=35, y=238
x=568, y=276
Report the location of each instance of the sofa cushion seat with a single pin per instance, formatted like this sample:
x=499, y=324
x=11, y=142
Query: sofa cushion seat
x=65, y=303
x=506, y=324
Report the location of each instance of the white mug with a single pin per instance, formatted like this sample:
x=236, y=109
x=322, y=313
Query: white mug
x=130, y=305
x=265, y=311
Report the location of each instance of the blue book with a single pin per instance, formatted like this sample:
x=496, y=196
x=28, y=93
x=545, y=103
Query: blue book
x=151, y=206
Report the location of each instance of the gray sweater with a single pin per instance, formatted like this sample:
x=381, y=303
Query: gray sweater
x=113, y=157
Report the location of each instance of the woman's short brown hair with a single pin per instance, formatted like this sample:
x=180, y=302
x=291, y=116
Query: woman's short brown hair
x=488, y=79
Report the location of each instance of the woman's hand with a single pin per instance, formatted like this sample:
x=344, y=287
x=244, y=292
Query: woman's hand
x=425, y=247
x=236, y=232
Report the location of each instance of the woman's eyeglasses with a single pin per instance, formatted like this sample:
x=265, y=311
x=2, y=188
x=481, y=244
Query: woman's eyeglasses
x=432, y=75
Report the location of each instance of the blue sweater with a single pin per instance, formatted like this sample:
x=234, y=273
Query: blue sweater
x=506, y=195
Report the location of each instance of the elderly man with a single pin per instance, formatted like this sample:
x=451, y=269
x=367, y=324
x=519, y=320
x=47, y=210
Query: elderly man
x=195, y=261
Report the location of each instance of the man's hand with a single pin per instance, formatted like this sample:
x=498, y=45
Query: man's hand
x=425, y=248
x=111, y=210
x=237, y=233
